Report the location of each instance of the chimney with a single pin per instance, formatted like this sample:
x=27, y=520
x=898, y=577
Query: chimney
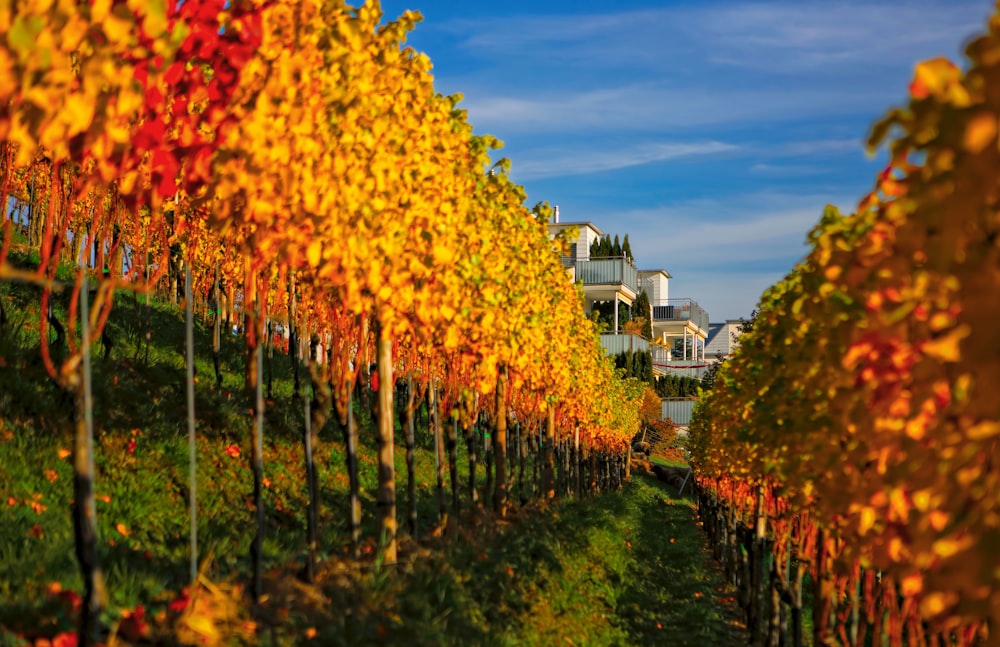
x=556, y=215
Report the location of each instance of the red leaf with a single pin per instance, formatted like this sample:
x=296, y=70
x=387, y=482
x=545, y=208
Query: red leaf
x=180, y=105
x=179, y=603
x=149, y=135
x=165, y=172
x=133, y=624
x=201, y=167
x=65, y=639
x=174, y=73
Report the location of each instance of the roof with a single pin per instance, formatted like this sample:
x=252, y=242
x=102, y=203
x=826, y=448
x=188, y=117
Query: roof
x=563, y=225
x=720, y=338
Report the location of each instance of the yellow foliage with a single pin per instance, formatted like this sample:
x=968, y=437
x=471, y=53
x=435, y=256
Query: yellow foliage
x=889, y=443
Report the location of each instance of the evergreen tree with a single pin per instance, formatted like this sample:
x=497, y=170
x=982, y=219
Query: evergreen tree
x=606, y=246
x=666, y=386
x=627, y=248
x=642, y=310
x=644, y=366
x=616, y=249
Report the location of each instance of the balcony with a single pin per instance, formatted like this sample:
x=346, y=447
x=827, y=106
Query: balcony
x=616, y=344
x=616, y=270
x=681, y=310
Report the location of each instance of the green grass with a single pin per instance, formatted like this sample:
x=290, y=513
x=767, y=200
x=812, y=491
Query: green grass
x=619, y=569
x=600, y=571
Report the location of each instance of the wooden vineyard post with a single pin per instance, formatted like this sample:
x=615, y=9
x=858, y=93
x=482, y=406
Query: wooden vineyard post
x=385, y=497
x=192, y=447
x=411, y=477
x=548, y=466
x=500, y=446
x=470, y=448
x=439, y=461
x=84, y=508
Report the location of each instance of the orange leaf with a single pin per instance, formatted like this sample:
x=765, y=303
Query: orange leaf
x=980, y=132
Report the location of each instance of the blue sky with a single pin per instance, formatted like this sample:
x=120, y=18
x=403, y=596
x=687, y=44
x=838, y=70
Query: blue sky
x=712, y=132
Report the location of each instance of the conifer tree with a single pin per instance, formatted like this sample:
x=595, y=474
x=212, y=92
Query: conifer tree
x=642, y=310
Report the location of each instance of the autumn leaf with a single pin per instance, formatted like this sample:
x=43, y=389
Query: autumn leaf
x=980, y=132
x=947, y=346
x=203, y=628
x=133, y=625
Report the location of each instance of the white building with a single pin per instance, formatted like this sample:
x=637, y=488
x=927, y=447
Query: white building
x=675, y=322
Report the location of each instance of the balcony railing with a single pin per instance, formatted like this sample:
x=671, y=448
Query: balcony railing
x=616, y=270
x=616, y=344
x=620, y=343
x=681, y=310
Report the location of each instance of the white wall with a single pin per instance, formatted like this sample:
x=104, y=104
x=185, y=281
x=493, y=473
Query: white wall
x=584, y=239
x=657, y=287
x=587, y=237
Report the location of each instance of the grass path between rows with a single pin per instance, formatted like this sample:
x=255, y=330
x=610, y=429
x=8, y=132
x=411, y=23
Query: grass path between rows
x=629, y=568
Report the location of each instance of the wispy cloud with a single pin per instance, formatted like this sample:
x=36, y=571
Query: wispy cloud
x=655, y=107
x=724, y=252
x=574, y=160
x=781, y=36
x=790, y=38
x=697, y=235
x=785, y=170
x=737, y=120
x=699, y=65
x=724, y=294
x=813, y=147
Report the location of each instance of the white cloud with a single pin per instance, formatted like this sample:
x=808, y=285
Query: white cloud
x=655, y=107
x=791, y=38
x=813, y=147
x=776, y=36
x=564, y=161
x=788, y=86
x=701, y=65
x=725, y=295
x=702, y=235
x=785, y=170
x=723, y=252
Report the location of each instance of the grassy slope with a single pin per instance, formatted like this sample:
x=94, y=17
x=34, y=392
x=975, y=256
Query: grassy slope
x=619, y=569
x=564, y=573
